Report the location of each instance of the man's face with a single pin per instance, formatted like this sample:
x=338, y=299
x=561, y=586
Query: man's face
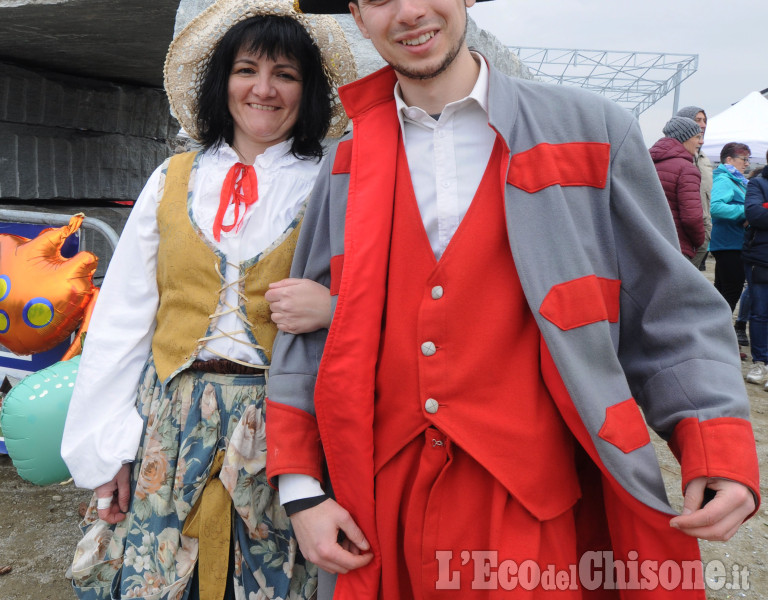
x=418, y=38
x=693, y=144
x=701, y=119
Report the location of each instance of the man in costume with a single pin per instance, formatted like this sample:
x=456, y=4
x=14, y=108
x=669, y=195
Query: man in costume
x=509, y=301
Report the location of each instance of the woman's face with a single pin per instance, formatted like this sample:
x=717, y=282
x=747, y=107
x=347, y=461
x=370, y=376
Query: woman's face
x=741, y=162
x=264, y=98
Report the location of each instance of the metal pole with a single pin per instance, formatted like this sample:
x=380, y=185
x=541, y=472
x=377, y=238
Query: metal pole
x=676, y=102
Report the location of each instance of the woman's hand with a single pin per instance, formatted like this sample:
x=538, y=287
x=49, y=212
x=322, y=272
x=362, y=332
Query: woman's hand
x=119, y=491
x=299, y=305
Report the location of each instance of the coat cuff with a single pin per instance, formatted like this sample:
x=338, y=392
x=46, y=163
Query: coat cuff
x=722, y=447
x=293, y=443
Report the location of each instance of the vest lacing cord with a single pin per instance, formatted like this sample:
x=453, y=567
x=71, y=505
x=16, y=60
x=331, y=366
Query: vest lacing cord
x=225, y=308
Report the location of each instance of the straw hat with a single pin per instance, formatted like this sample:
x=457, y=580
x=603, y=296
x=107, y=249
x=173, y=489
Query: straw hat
x=190, y=51
x=328, y=7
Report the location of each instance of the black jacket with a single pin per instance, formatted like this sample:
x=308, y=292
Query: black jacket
x=756, y=211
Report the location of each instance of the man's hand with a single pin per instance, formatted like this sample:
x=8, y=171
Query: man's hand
x=317, y=530
x=120, y=484
x=722, y=516
x=299, y=305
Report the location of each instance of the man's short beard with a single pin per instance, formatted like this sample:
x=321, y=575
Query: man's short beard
x=423, y=75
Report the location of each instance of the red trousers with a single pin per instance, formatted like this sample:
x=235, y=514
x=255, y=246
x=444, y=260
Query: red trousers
x=448, y=529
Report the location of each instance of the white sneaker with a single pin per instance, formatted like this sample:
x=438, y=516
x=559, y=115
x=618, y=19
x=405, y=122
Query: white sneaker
x=758, y=373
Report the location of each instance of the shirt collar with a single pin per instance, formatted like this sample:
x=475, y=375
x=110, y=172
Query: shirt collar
x=479, y=94
x=274, y=156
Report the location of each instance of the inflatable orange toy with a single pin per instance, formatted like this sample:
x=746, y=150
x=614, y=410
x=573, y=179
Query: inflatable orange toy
x=42, y=294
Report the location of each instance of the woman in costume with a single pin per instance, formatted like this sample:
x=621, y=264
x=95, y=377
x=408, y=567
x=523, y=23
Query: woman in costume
x=181, y=507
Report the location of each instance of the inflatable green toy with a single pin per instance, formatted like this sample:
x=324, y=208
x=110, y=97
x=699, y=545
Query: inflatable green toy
x=32, y=420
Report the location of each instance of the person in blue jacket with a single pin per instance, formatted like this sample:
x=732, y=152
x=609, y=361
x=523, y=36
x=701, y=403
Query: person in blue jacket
x=728, y=189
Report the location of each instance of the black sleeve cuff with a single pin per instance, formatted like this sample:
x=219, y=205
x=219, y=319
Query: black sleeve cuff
x=294, y=506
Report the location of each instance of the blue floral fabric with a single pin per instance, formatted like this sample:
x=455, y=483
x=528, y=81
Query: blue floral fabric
x=146, y=555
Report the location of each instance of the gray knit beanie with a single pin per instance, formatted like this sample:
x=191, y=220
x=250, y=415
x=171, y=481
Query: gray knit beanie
x=690, y=112
x=681, y=128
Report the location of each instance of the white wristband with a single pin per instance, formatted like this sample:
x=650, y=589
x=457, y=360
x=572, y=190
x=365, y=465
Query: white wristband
x=104, y=503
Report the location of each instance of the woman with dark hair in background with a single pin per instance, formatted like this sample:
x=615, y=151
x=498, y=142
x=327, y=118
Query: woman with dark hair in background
x=166, y=420
x=755, y=257
x=728, y=221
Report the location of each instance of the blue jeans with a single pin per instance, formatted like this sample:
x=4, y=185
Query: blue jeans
x=745, y=301
x=758, y=317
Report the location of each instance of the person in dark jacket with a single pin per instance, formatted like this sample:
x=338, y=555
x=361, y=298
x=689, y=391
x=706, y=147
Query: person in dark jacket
x=704, y=165
x=673, y=158
x=755, y=258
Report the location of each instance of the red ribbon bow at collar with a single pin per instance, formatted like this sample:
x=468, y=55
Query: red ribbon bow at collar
x=240, y=188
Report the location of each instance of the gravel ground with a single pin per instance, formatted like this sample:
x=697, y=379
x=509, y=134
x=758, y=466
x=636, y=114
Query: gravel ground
x=38, y=529
x=38, y=533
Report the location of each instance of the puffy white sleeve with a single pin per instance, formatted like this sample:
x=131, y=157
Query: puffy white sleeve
x=103, y=428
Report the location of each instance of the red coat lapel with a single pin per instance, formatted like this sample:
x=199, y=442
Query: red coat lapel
x=344, y=390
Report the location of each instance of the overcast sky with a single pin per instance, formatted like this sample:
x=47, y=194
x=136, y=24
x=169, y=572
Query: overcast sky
x=731, y=40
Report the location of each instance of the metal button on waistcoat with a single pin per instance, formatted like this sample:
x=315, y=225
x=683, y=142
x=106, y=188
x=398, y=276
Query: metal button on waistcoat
x=437, y=292
x=431, y=406
x=428, y=348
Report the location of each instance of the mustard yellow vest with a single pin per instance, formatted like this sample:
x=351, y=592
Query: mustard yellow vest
x=189, y=285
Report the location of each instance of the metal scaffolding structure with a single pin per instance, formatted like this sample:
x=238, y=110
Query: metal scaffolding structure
x=636, y=80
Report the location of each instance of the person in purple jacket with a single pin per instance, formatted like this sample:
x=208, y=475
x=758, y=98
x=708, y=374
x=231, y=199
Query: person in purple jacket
x=673, y=158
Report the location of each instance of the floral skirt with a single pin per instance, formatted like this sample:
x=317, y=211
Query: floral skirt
x=147, y=555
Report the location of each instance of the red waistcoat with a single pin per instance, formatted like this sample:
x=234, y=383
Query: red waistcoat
x=460, y=351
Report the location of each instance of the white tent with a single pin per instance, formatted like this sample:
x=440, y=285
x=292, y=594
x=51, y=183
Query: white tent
x=745, y=122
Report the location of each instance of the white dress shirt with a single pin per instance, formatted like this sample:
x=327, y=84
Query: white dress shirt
x=103, y=428
x=447, y=158
x=459, y=143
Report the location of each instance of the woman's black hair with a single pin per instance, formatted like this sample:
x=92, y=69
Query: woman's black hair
x=271, y=36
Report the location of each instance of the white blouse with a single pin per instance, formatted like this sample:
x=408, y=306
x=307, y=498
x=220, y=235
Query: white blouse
x=103, y=428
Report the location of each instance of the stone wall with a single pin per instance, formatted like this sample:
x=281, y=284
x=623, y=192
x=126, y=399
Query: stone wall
x=71, y=138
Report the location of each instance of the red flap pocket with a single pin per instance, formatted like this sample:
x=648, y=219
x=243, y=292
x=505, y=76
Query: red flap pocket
x=581, y=302
x=337, y=265
x=567, y=165
x=624, y=427
x=342, y=163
